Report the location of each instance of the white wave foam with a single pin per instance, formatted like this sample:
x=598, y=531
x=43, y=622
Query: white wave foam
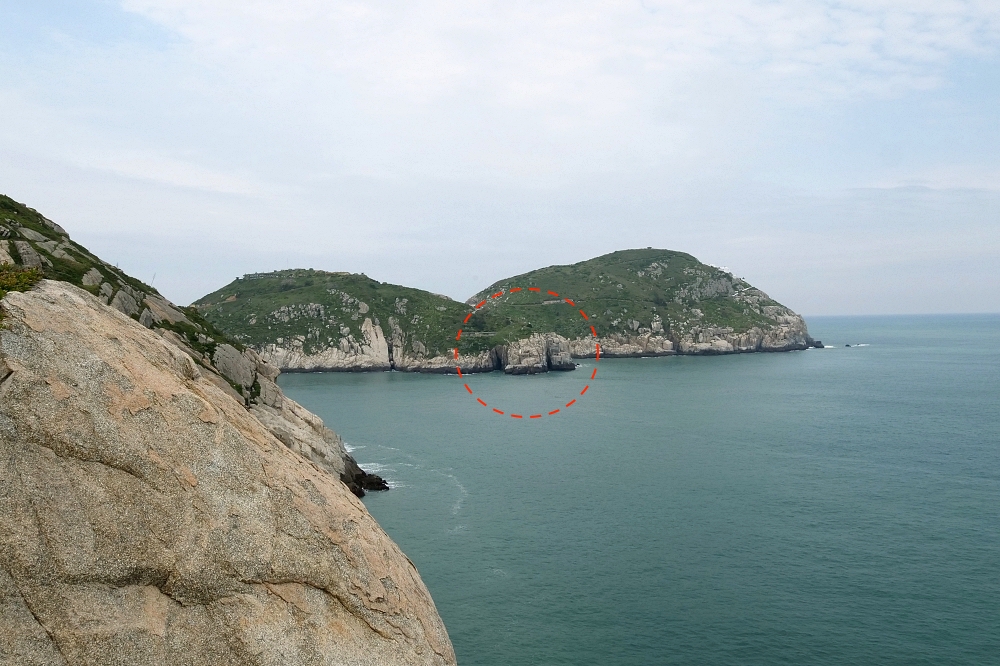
x=374, y=468
x=462, y=492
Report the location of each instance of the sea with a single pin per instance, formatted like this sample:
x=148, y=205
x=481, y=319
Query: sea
x=829, y=506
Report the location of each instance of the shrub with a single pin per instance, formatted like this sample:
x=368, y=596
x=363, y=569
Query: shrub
x=15, y=278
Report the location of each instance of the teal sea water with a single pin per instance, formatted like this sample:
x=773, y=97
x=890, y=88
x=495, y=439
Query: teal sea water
x=833, y=506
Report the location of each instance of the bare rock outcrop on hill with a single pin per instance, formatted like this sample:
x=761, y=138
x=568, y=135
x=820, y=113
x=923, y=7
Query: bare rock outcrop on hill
x=470, y=363
x=370, y=353
x=147, y=517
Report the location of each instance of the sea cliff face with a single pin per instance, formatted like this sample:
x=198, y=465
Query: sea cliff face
x=148, y=517
x=551, y=351
x=368, y=353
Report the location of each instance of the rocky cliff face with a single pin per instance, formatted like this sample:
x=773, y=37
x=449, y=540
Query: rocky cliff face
x=40, y=243
x=147, y=517
x=369, y=353
x=542, y=352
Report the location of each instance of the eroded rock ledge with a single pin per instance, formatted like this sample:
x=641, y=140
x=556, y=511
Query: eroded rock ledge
x=147, y=517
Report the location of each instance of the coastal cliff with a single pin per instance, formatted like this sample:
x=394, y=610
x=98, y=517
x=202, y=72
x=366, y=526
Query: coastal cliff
x=29, y=240
x=148, y=517
x=630, y=303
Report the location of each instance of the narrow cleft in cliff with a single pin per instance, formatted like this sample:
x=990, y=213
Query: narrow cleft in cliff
x=631, y=303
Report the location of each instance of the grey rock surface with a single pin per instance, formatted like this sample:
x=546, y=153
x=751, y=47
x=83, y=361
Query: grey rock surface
x=125, y=303
x=164, y=310
x=5, y=257
x=371, y=352
x=92, y=277
x=29, y=258
x=146, y=517
x=234, y=365
x=31, y=234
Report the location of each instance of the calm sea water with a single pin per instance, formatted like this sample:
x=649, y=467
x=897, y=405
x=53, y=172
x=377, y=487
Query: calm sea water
x=834, y=506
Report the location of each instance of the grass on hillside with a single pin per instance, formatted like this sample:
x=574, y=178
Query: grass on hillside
x=318, y=307
x=81, y=260
x=618, y=288
x=621, y=292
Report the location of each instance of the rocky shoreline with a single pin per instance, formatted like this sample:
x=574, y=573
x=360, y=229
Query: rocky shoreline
x=541, y=352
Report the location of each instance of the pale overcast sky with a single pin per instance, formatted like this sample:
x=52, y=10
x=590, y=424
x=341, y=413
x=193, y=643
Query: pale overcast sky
x=842, y=156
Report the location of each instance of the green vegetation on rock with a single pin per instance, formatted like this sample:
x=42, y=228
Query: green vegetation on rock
x=640, y=302
x=15, y=278
x=622, y=293
x=37, y=242
x=317, y=309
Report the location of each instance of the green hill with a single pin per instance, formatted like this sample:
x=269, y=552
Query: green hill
x=318, y=308
x=639, y=302
x=625, y=292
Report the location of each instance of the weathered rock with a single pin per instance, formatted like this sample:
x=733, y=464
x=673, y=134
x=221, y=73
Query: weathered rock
x=789, y=333
x=146, y=517
x=234, y=365
x=622, y=346
x=125, y=303
x=5, y=257
x=558, y=353
x=29, y=258
x=536, y=354
x=469, y=363
x=146, y=318
x=525, y=357
x=31, y=234
x=93, y=277
x=359, y=481
x=163, y=310
x=369, y=353
x=56, y=248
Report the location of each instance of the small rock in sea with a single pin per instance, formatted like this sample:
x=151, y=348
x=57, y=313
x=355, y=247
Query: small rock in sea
x=847, y=345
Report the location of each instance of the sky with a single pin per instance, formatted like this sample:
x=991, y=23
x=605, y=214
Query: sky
x=842, y=156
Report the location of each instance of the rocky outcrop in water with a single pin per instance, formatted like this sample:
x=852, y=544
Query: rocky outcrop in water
x=538, y=353
x=147, y=517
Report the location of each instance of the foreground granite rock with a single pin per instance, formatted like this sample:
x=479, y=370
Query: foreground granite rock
x=237, y=371
x=147, y=517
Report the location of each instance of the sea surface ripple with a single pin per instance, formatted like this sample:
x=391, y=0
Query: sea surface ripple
x=833, y=506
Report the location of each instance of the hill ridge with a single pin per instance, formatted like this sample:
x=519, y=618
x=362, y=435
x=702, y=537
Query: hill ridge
x=641, y=302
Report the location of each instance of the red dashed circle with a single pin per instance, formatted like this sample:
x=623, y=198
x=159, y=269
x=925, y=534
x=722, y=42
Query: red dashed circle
x=593, y=375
